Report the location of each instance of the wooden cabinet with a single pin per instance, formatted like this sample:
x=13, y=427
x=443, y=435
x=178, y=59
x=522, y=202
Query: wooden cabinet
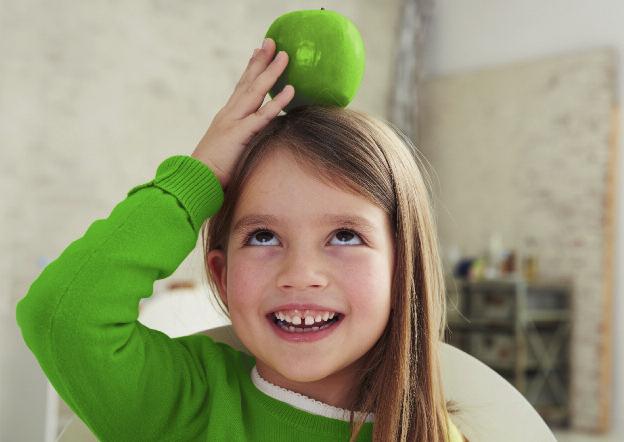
x=520, y=329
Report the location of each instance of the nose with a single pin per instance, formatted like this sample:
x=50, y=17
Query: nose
x=302, y=269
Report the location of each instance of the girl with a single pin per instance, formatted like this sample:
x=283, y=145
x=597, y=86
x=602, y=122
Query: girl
x=323, y=252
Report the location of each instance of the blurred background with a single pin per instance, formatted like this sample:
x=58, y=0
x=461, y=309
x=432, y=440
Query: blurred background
x=514, y=105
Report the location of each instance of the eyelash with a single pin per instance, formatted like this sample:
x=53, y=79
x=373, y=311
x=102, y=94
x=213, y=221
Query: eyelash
x=250, y=235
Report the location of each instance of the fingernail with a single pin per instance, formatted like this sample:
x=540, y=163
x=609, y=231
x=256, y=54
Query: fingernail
x=255, y=52
x=264, y=43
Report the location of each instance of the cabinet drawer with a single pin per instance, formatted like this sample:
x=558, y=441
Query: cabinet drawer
x=497, y=305
x=495, y=350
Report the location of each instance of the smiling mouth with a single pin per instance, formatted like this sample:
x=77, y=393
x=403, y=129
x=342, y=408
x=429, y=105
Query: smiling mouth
x=289, y=327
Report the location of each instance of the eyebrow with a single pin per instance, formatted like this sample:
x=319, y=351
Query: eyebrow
x=354, y=221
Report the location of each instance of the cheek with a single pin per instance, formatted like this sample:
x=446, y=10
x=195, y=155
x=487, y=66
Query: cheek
x=367, y=282
x=245, y=286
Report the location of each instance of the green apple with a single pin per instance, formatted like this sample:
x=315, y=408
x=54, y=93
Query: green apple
x=326, y=57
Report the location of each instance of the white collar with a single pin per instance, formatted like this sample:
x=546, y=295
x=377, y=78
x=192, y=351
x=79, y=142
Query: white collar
x=300, y=401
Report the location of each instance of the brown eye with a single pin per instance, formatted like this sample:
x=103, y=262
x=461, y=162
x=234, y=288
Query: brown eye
x=347, y=235
x=262, y=236
x=344, y=237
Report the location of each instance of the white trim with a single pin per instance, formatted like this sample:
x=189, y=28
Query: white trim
x=300, y=401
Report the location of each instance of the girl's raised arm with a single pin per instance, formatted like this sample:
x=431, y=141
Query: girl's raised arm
x=126, y=381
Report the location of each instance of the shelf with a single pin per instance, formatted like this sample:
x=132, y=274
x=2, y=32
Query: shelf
x=520, y=329
x=546, y=316
x=540, y=284
x=529, y=316
x=469, y=323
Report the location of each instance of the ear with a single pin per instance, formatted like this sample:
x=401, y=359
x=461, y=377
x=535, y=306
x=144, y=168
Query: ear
x=217, y=263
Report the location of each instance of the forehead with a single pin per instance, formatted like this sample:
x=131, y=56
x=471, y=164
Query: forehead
x=288, y=192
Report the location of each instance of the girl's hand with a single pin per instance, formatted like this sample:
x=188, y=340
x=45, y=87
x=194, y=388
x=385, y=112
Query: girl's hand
x=242, y=117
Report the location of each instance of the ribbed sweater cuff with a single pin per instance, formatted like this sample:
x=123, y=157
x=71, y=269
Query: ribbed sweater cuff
x=193, y=183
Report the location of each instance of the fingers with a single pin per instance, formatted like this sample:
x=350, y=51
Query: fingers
x=274, y=106
x=257, y=120
x=263, y=82
x=253, y=95
x=258, y=62
x=260, y=76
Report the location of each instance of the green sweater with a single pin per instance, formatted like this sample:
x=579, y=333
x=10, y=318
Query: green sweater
x=128, y=382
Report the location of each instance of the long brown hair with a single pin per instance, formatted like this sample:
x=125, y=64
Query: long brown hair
x=400, y=383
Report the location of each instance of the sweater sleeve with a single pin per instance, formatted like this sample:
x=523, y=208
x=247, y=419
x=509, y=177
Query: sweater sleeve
x=80, y=315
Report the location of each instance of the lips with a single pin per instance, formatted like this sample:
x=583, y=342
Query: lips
x=303, y=333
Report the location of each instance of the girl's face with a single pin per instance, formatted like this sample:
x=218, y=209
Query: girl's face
x=305, y=257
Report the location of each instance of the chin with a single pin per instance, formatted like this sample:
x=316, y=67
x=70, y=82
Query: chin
x=302, y=373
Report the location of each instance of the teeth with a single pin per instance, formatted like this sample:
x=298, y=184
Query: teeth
x=307, y=317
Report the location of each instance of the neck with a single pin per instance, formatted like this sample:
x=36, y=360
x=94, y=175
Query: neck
x=336, y=389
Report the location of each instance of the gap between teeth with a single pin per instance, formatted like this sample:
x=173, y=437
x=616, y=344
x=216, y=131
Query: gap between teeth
x=307, y=319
